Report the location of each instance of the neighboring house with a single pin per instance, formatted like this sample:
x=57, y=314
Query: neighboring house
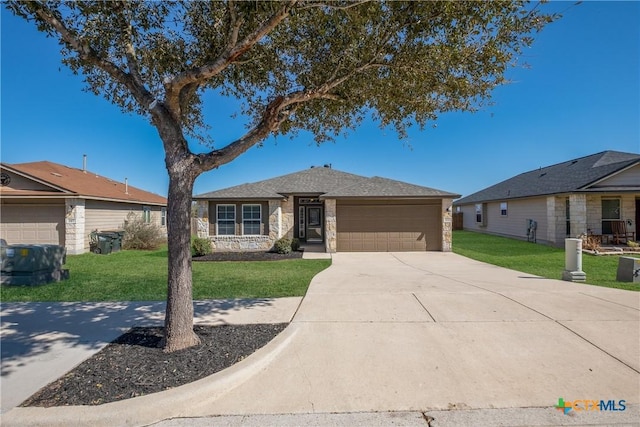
x=579, y=196
x=45, y=202
x=342, y=211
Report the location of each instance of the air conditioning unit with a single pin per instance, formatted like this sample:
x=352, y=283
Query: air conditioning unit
x=32, y=264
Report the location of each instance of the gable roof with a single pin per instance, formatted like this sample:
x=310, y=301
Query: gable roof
x=324, y=181
x=61, y=180
x=576, y=175
x=384, y=187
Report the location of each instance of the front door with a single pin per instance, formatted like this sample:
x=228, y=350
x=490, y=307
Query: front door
x=314, y=224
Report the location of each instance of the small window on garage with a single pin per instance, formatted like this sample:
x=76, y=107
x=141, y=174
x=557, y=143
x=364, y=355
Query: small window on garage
x=503, y=209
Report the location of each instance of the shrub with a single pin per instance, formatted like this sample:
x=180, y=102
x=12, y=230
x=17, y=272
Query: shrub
x=282, y=246
x=139, y=234
x=200, y=246
x=590, y=242
x=295, y=244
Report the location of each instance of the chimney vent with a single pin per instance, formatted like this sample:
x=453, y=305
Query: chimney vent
x=126, y=186
x=84, y=163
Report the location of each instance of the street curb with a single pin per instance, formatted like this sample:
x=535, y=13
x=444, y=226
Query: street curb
x=155, y=407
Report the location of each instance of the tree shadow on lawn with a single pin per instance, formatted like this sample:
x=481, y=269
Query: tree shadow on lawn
x=32, y=330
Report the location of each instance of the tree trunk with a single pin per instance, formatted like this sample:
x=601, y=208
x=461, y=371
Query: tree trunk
x=178, y=333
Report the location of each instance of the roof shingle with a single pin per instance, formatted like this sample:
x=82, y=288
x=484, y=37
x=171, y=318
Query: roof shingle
x=566, y=177
x=329, y=183
x=72, y=181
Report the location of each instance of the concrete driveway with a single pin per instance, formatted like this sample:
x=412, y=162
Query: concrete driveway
x=417, y=332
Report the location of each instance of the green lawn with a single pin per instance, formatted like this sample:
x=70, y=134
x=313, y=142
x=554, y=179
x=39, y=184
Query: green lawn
x=537, y=259
x=142, y=276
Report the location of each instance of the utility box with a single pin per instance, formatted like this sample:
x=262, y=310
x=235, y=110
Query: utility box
x=33, y=264
x=628, y=269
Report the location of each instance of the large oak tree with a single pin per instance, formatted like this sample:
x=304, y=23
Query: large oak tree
x=318, y=66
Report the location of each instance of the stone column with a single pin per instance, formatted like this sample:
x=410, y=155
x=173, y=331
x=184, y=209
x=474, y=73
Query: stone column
x=330, y=226
x=287, y=218
x=275, y=220
x=578, y=214
x=202, y=207
x=447, y=224
x=74, y=230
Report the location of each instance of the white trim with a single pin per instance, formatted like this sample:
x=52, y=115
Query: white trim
x=253, y=219
x=218, y=219
x=611, y=175
x=506, y=209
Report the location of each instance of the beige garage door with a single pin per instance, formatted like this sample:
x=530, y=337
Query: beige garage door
x=388, y=228
x=32, y=224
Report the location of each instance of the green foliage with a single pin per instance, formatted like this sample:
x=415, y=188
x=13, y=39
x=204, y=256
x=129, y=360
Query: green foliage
x=532, y=258
x=295, y=244
x=282, y=246
x=397, y=60
x=200, y=246
x=320, y=67
x=140, y=234
x=142, y=276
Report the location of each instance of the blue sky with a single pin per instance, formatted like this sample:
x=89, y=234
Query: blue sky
x=581, y=95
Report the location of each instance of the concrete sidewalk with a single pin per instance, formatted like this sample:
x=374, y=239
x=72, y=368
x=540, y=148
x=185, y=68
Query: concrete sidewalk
x=43, y=341
x=415, y=333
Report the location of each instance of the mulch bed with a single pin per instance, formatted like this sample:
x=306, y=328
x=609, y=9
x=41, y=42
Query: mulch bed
x=133, y=365
x=248, y=256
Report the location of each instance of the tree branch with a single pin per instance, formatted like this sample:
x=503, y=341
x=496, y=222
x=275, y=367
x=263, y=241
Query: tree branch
x=89, y=55
x=130, y=52
x=198, y=75
x=334, y=5
x=234, y=26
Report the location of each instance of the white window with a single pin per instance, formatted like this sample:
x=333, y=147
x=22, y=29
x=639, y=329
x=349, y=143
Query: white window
x=479, y=218
x=163, y=217
x=610, y=213
x=301, y=222
x=251, y=219
x=146, y=214
x=226, y=219
x=503, y=209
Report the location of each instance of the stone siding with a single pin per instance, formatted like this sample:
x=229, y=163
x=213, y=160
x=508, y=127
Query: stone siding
x=74, y=226
x=578, y=214
x=241, y=243
x=202, y=223
x=275, y=220
x=280, y=223
x=447, y=224
x=288, y=219
x=330, y=226
x=594, y=214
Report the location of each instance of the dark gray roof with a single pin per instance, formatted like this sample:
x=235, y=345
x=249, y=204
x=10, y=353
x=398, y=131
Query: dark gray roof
x=572, y=176
x=383, y=187
x=329, y=183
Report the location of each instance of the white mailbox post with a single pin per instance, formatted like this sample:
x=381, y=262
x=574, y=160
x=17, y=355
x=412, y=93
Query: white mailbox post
x=573, y=261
